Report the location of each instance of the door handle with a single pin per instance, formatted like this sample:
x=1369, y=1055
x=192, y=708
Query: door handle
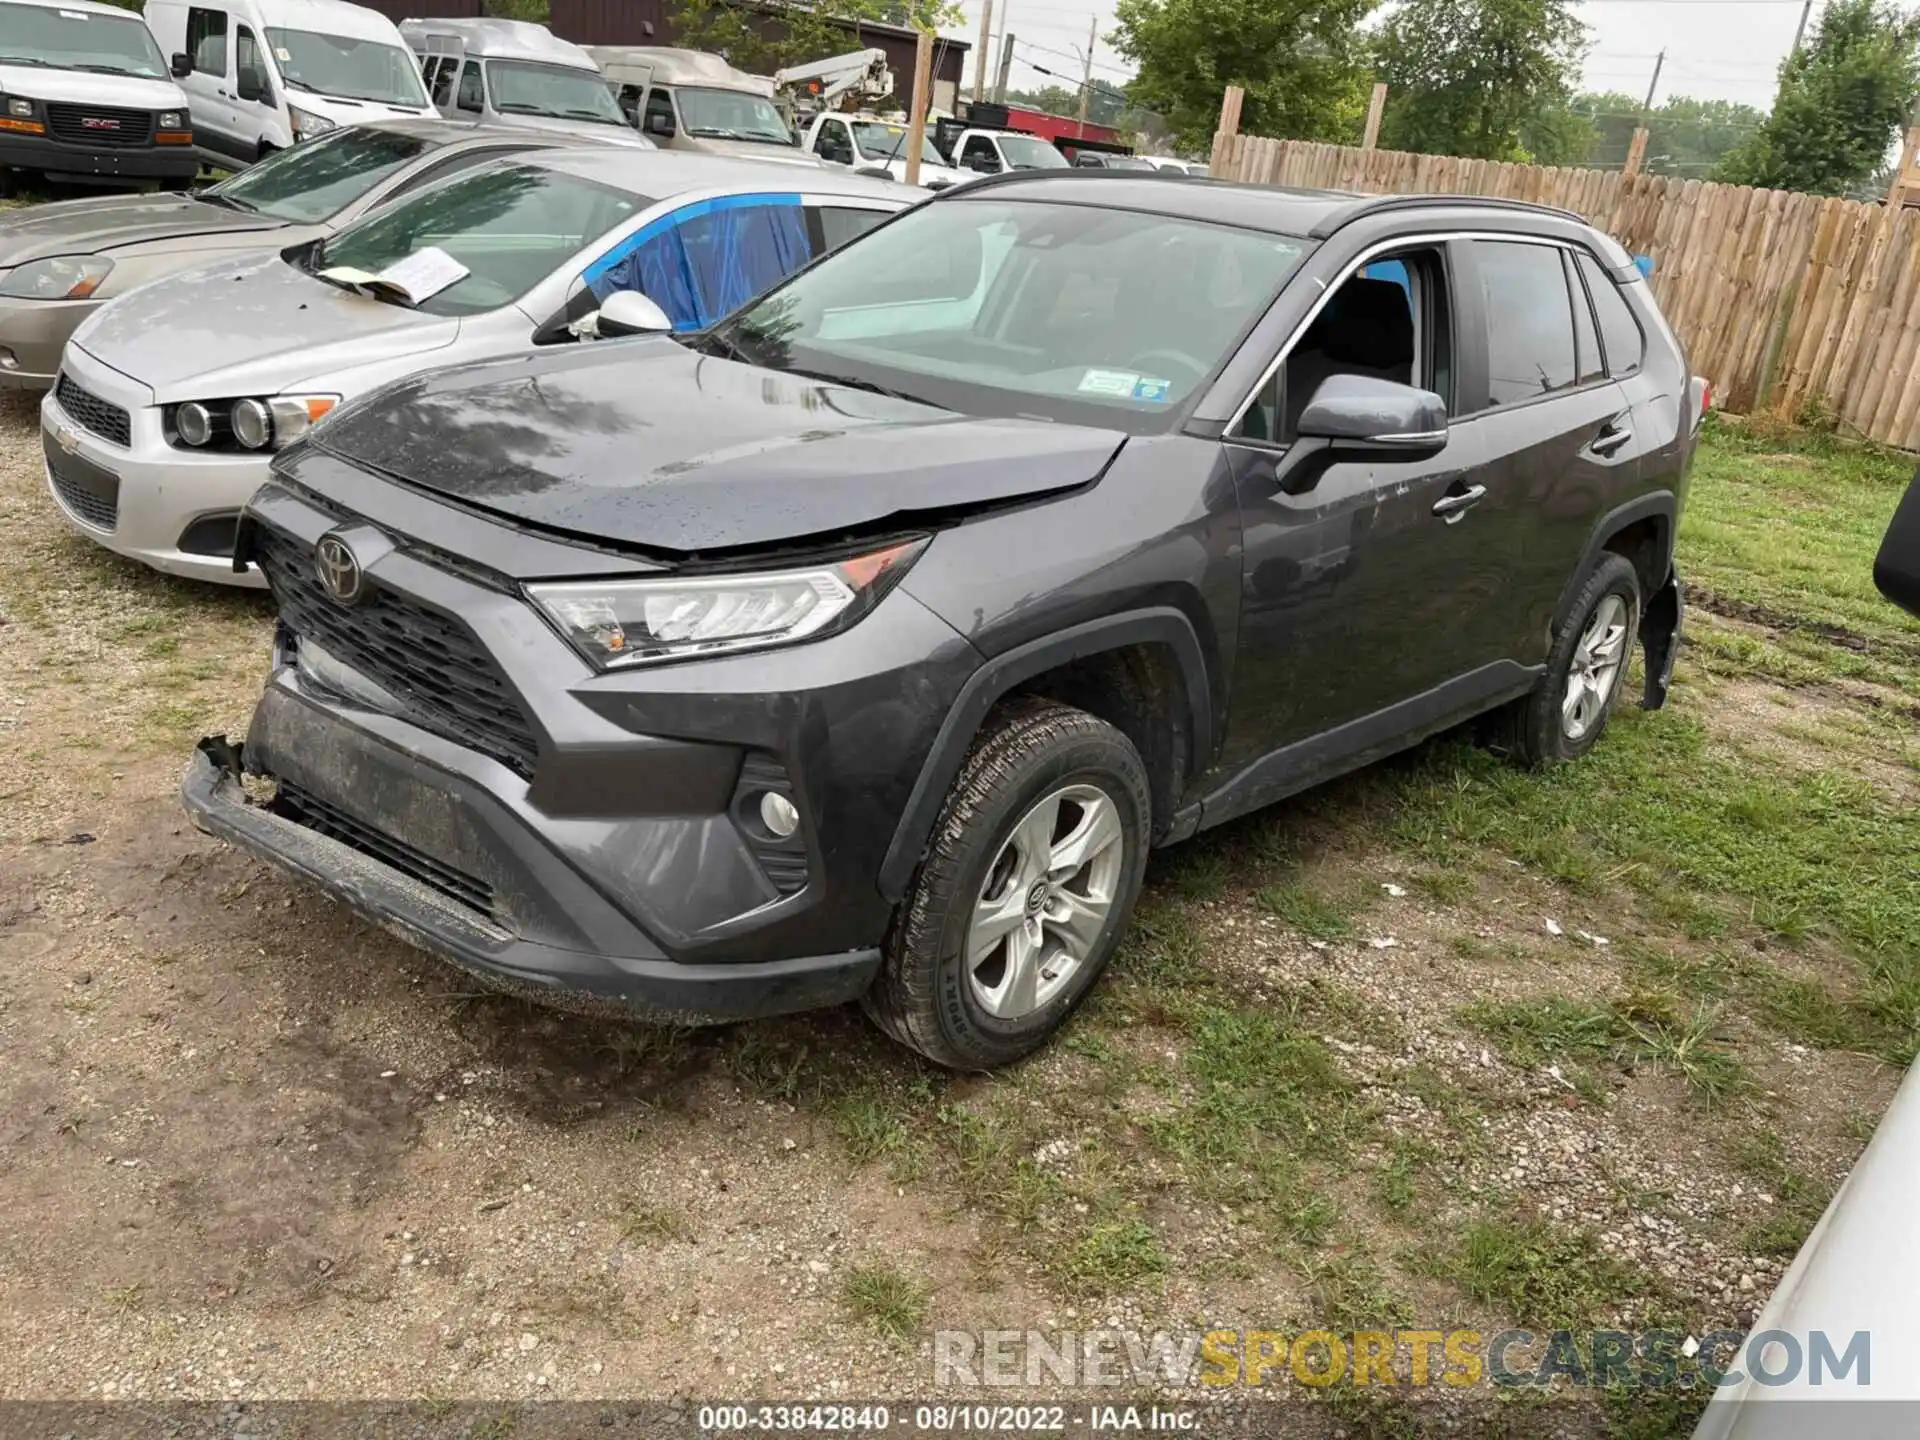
x=1454, y=507
x=1615, y=434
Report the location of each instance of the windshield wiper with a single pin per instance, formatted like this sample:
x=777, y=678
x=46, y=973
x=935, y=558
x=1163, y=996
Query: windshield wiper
x=114, y=70
x=853, y=382
x=227, y=201
x=29, y=60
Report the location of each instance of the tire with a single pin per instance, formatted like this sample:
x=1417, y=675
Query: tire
x=1540, y=727
x=1033, y=759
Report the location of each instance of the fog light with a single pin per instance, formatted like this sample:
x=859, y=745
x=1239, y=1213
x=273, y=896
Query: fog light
x=778, y=815
x=252, y=424
x=194, y=423
x=8, y=360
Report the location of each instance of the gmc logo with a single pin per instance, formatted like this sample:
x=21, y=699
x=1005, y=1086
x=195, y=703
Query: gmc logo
x=94, y=122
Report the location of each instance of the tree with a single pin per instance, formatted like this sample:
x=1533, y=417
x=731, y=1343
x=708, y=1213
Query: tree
x=762, y=39
x=1106, y=105
x=1685, y=137
x=1299, y=61
x=1481, y=78
x=1841, y=99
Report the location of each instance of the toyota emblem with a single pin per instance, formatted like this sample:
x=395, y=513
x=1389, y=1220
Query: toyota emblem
x=339, y=569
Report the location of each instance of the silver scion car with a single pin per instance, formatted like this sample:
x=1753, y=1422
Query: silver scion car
x=170, y=400
x=61, y=261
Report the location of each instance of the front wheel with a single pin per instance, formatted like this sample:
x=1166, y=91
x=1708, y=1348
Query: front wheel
x=1564, y=716
x=1032, y=873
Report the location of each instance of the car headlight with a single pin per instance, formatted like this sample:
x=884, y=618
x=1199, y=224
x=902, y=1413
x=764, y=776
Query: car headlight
x=252, y=424
x=617, y=623
x=306, y=124
x=23, y=109
x=59, y=277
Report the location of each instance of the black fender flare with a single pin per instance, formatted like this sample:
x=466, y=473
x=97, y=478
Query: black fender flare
x=1160, y=625
x=1655, y=504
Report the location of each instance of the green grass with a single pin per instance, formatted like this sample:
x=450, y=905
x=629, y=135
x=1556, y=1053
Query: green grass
x=1313, y=912
x=891, y=1301
x=1115, y=1256
x=1652, y=1026
x=1540, y=1274
x=1790, y=522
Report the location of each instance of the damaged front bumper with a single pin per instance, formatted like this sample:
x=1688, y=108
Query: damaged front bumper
x=1660, y=640
x=379, y=888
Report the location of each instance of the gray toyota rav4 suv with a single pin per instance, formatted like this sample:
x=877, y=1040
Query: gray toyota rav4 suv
x=863, y=644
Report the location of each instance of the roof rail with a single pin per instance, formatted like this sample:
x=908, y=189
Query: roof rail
x=1374, y=204
x=1078, y=172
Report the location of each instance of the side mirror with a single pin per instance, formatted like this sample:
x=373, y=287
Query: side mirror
x=628, y=312
x=1357, y=416
x=249, y=85
x=180, y=66
x=658, y=124
x=1897, y=570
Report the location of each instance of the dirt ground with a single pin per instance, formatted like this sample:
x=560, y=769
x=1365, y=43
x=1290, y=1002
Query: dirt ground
x=252, y=1148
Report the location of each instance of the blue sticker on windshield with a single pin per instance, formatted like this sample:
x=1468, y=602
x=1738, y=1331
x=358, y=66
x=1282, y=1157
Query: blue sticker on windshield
x=1146, y=388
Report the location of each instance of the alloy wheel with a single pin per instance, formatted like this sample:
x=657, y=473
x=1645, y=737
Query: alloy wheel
x=1046, y=902
x=1599, y=659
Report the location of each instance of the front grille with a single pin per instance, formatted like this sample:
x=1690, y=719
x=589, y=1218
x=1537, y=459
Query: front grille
x=89, y=492
x=102, y=126
x=307, y=809
x=91, y=413
x=430, y=662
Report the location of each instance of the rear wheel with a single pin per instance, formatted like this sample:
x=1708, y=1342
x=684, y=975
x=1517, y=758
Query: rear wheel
x=1032, y=872
x=1567, y=712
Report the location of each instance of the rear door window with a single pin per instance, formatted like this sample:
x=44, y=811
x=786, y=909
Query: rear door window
x=1530, y=342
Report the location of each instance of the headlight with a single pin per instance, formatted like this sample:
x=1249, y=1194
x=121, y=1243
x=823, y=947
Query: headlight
x=60, y=277
x=251, y=424
x=306, y=124
x=169, y=120
x=616, y=623
x=22, y=108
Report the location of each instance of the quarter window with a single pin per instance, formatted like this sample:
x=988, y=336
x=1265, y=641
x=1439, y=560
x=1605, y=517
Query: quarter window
x=473, y=94
x=1530, y=344
x=207, y=41
x=840, y=223
x=1620, y=333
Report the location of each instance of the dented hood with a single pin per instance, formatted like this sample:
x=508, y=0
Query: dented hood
x=250, y=325
x=646, y=443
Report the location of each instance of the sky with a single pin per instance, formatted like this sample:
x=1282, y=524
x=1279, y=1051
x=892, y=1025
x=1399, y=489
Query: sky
x=1716, y=49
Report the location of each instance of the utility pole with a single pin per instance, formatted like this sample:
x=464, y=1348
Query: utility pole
x=1637, y=147
x=917, y=122
x=1800, y=30
x=1086, y=79
x=986, y=44
x=1006, y=69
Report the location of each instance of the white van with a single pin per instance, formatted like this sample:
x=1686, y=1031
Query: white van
x=513, y=72
x=261, y=75
x=690, y=100
x=86, y=94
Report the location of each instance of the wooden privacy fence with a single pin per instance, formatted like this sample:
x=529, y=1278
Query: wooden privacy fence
x=1780, y=298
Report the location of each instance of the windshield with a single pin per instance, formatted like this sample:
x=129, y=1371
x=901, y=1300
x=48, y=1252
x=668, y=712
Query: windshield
x=78, y=40
x=521, y=87
x=510, y=225
x=348, y=69
x=309, y=182
x=880, y=141
x=732, y=115
x=1001, y=306
x=1023, y=152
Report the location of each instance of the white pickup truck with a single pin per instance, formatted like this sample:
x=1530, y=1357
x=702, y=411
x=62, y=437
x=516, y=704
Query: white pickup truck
x=991, y=152
x=866, y=143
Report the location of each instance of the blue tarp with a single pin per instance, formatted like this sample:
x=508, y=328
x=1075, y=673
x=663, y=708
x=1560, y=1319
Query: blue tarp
x=709, y=258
